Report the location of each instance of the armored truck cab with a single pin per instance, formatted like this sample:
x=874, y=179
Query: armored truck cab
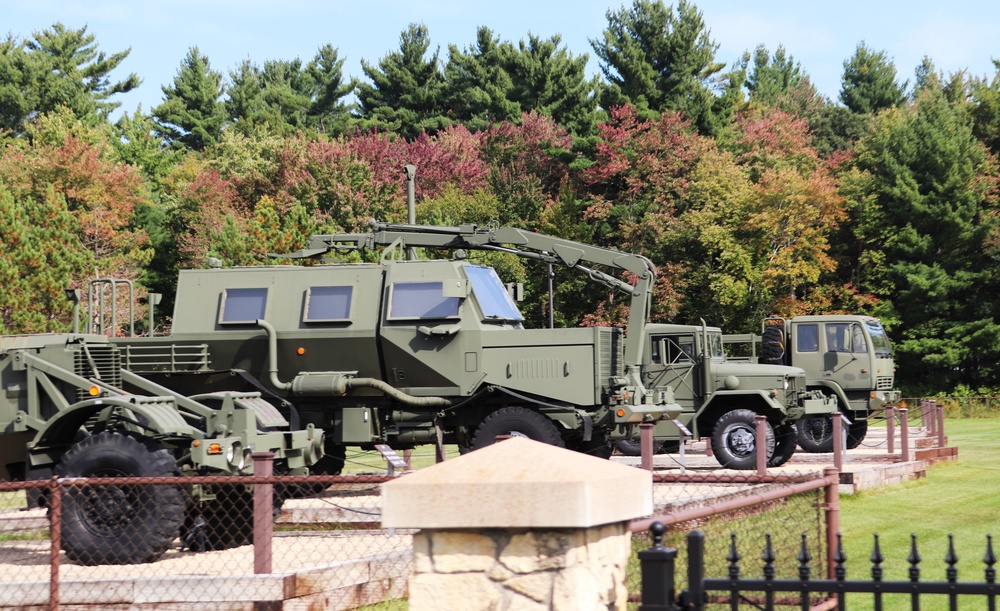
x=405, y=351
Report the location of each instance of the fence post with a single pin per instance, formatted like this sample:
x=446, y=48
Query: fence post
x=927, y=416
x=832, y=507
x=657, y=569
x=646, y=445
x=760, y=444
x=890, y=429
x=55, y=531
x=940, y=425
x=263, y=513
x=837, y=420
x=904, y=435
x=694, y=597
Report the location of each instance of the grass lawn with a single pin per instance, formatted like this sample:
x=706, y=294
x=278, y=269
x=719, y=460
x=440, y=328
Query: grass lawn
x=960, y=497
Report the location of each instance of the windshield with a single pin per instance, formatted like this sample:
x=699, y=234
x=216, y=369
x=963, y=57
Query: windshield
x=880, y=341
x=492, y=295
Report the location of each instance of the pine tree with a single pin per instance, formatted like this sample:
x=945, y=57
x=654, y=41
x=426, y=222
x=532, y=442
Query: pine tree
x=192, y=115
x=659, y=60
x=479, y=86
x=869, y=82
x=407, y=90
x=58, y=67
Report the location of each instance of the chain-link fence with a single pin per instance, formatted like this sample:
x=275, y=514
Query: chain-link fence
x=772, y=513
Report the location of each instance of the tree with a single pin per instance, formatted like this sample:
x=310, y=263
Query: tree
x=479, y=86
x=771, y=76
x=288, y=96
x=928, y=222
x=660, y=60
x=58, y=67
x=869, y=82
x=407, y=90
x=192, y=115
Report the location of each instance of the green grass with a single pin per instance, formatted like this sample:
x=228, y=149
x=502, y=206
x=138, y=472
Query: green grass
x=960, y=497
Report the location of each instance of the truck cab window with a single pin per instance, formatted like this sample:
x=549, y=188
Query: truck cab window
x=807, y=338
x=838, y=337
x=858, y=343
x=491, y=295
x=421, y=300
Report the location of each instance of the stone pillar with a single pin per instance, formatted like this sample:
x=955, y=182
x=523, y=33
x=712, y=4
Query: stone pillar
x=519, y=525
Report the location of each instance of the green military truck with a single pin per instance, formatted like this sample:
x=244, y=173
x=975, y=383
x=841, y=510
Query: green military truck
x=846, y=357
x=406, y=351
x=721, y=398
x=64, y=412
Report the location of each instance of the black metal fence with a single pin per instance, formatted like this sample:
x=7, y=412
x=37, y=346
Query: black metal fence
x=770, y=591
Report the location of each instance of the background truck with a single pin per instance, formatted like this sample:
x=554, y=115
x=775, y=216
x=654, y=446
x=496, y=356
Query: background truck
x=64, y=412
x=721, y=398
x=847, y=357
x=405, y=351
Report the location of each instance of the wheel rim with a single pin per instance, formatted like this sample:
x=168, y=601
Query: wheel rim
x=105, y=510
x=817, y=429
x=740, y=440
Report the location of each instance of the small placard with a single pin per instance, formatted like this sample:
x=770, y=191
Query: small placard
x=391, y=457
x=684, y=430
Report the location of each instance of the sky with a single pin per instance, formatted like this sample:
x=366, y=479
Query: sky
x=956, y=35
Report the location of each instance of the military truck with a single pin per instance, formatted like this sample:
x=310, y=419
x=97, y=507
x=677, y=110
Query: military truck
x=407, y=351
x=847, y=357
x=64, y=412
x=721, y=399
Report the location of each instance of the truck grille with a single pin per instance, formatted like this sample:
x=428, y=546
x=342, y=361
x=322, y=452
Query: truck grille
x=883, y=383
x=611, y=354
x=98, y=361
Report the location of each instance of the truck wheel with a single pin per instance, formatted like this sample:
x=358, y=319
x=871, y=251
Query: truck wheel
x=773, y=345
x=785, y=442
x=856, y=433
x=733, y=440
x=516, y=421
x=226, y=521
x=815, y=434
x=119, y=524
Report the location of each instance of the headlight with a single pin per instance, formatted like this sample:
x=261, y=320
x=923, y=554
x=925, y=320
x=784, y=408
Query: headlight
x=235, y=455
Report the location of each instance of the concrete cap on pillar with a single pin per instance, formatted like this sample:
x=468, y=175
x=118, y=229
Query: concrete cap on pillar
x=518, y=483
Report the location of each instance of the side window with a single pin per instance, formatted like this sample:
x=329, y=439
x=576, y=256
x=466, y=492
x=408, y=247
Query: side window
x=242, y=306
x=807, y=338
x=838, y=337
x=420, y=300
x=654, y=350
x=680, y=349
x=328, y=303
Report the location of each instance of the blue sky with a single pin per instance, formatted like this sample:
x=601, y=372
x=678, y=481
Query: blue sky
x=957, y=35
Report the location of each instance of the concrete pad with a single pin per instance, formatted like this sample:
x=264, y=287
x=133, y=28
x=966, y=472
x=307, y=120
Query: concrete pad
x=518, y=483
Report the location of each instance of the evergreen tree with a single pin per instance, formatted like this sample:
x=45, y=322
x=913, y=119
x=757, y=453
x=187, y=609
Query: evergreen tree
x=407, y=90
x=479, y=86
x=58, y=67
x=986, y=109
x=869, y=82
x=192, y=115
x=657, y=60
x=549, y=80
x=289, y=96
x=928, y=220
x=772, y=76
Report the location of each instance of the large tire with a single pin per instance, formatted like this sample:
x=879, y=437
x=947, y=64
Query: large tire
x=815, y=434
x=785, y=442
x=856, y=433
x=516, y=421
x=773, y=345
x=127, y=524
x=631, y=447
x=734, y=440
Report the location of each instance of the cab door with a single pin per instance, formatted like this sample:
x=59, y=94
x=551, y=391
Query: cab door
x=673, y=362
x=845, y=355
